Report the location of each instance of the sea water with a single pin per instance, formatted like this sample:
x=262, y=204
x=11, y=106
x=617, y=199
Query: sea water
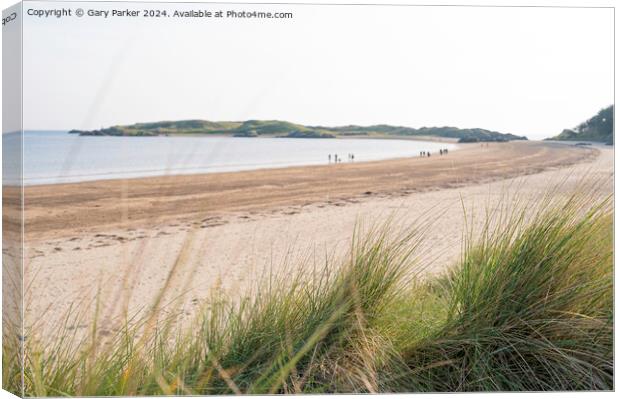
x=60, y=157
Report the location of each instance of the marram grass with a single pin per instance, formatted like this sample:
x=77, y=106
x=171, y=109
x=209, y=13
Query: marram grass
x=528, y=307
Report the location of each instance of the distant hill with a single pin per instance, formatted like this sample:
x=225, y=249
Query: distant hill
x=599, y=128
x=463, y=135
x=256, y=128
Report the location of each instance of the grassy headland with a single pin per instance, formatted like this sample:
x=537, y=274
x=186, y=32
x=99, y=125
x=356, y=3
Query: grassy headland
x=528, y=307
x=256, y=128
x=599, y=128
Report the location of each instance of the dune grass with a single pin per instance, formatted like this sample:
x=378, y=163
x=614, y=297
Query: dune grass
x=528, y=307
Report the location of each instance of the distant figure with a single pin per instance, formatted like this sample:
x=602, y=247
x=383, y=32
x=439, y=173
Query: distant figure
x=445, y=151
x=329, y=158
x=352, y=157
x=428, y=154
x=440, y=151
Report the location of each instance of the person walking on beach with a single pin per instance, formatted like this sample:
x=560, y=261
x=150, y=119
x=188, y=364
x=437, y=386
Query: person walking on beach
x=329, y=158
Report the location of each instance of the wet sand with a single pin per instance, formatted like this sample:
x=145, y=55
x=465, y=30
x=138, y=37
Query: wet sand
x=64, y=209
x=219, y=233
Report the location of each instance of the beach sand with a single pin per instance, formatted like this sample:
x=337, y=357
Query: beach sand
x=214, y=234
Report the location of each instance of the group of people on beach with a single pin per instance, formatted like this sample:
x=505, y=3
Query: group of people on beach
x=350, y=157
x=442, y=151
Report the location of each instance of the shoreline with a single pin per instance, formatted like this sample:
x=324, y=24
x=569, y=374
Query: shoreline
x=223, y=168
x=259, y=169
x=142, y=202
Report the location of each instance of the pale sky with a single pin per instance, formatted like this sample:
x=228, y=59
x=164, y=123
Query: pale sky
x=527, y=71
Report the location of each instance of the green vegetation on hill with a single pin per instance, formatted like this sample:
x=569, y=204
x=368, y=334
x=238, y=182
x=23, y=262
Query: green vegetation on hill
x=463, y=135
x=163, y=128
x=599, y=128
x=256, y=128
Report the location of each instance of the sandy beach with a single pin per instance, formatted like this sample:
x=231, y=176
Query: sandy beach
x=198, y=235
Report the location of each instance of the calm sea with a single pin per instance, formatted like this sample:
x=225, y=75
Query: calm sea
x=59, y=157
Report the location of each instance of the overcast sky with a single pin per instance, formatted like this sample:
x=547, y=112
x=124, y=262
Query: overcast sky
x=527, y=71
